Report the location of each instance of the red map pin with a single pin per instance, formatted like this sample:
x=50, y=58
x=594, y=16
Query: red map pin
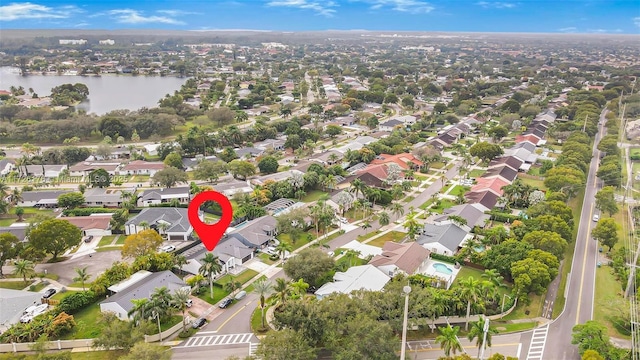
x=210, y=234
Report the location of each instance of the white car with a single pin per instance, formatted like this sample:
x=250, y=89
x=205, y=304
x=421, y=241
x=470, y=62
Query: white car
x=596, y=217
x=270, y=250
x=167, y=248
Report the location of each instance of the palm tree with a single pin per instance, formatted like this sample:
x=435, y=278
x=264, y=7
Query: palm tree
x=448, y=340
x=358, y=187
x=179, y=300
x=82, y=277
x=24, y=268
x=141, y=310
x=144, y=225
x=397, y=209
x=469, y=291
x=437, y=306
x=210, y=267
x=351, y=255
x=161, y=301
x=494, y=277
x=412, y=225
x=232, y=286
x=282, y=248
x=263, y=288
x=365, y=225
x=282, y=290
x=384, y=218
x=4, y=190
x=477, y=332
x=299, y=288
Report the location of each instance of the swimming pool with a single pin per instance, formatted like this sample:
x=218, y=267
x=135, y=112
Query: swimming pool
x=442, y=268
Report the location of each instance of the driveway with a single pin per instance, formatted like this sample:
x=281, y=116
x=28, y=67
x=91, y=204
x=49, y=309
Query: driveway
x=95, y=263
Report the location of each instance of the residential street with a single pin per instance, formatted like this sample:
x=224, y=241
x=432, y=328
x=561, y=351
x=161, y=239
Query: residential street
x=581, y=283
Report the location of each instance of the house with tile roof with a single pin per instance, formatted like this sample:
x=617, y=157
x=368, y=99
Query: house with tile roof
x=96, y=224
x=140, y=167
x=405, y=160
x=494, y=184
x=407, y=258
x=487, y=198
x=505, y=172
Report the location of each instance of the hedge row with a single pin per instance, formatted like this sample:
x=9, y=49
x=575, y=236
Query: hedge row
x=87, y=211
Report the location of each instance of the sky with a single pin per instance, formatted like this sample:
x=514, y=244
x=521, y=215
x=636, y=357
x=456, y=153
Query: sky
x=545, y=16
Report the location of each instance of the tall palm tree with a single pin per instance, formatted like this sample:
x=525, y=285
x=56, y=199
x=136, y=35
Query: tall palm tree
x=477, y=332
x=144, y=225
x=494, y=277
x=209, y=268
x=357, y=187
x=263, y=288
x=470, y=292
x=397, y=209
x=448, y=340
x=299, y=288
x=365, y=225
x=282, y=290
x=161, y=301
x=282, y=248
x=412, y=225
x=82, y=277
x=4, y=190
x=384, y=218
x=179, y=300
x=437, y=306
x=24, y=268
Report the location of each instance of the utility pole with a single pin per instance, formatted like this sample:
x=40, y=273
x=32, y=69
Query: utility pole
x=484, y=338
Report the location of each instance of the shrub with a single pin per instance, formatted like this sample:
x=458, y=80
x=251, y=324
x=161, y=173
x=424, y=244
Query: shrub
x=75, y=302
x=86, y=211
x=449, y=259
x=185, y=334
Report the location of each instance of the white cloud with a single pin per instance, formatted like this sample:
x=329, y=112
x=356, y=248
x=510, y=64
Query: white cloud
x=410, y=6
x=568, y=29
x=130, y=16
x=27, y=10
x=636, y=21
x=320, y=7
x=175, y=13
x=496, y=5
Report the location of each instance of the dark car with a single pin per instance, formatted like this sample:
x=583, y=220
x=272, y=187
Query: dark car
x=49, y=293
x=88, y=238
x=225, y=303
x=197, y=323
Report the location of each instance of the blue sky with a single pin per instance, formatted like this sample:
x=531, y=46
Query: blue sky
x=549, y=16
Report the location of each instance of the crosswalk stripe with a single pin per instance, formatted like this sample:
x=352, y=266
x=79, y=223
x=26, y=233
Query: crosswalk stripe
x=215, y=340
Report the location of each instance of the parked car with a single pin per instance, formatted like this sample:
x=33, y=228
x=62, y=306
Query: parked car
x=189, y=303
x=198, y=323
x=225, y=303
x=596, y=217
x=168, y=248
x=49, y=293
x=241, y=295
x=88, y=239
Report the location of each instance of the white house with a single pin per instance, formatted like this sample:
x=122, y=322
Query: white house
x=365, y=277
x=158, y=196
x=140, y=167
x=6, y=166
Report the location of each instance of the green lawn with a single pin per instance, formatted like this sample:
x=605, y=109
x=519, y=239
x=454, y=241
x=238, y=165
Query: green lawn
x=294, y=246
x=476, y=173
x=437, y=165
x=444, y=204
x=87, y=322
x=166, y=325
x=242, y=278
x=140, y=178
x=534, y=308
x=609, y=292
x=533, y=182
x=109, y=248
x=313, y=195
x=264, y=257
x=408, y=199
x=121, y=239
x=38, y=287
x=79, y=284
x=79, y=355
x=7, y=222
x=459, y=190
x=369, y=235
x=395, y=236
x=218, y=294
x=350, y=263
x=106, y=240
x=256, y=321
x=426, y=204
x=504, y=327
x=15, y=285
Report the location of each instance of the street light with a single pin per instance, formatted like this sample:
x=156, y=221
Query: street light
x=406, y=290
x=155, y=315
x=484, y=337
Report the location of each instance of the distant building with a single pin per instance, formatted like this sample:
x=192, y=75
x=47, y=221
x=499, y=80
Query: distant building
x=107, y=42
x=72, y=41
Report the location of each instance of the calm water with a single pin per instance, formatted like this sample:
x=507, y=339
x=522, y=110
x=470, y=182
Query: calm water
x=106, y=93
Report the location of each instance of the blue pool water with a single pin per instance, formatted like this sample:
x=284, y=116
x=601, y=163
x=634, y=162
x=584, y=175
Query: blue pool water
x=442, y=268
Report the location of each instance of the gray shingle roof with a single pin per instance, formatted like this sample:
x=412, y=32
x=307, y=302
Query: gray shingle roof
x=145, y=287
x=156, y=194
x=450, y=235
x=177, y=217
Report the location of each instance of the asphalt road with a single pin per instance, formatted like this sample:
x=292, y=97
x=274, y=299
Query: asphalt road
x=581, y=284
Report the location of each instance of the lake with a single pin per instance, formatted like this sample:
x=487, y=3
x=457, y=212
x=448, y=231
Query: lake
x=106, y=92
